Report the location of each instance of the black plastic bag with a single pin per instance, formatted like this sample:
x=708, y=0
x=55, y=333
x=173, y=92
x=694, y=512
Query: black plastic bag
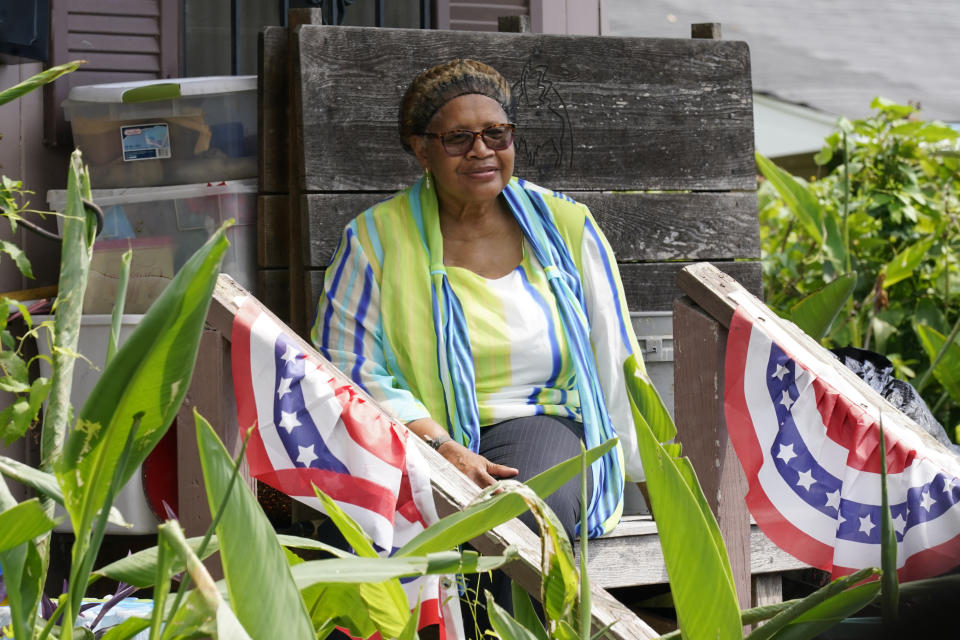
x=877, y=371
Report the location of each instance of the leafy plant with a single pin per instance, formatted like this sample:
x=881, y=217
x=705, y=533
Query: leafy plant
x=885, y=212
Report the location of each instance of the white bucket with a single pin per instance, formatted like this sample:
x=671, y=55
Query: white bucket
x=94, y=336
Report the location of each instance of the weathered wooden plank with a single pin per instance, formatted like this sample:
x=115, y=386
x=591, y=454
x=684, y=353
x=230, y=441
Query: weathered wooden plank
x=211, y=394
x=652, y=286
x=273, y=110
x=720, y=295
x=273, y=231
x=297, y=20
x=595, y=113
x=630, y=555
x=452, y=490
x=645, y=227
x=699, y=348
x=648, y=286
x=274, y=291
x=641, y=227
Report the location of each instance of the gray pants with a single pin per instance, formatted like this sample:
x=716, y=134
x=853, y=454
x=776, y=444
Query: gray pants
x=530, y=445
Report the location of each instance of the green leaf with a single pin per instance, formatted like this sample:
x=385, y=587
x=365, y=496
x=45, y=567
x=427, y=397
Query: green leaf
x=38, y=80
x=338, y=604
x=524, y=613
x=296, y=542
x=385, y=601
x=116, y=317
x=148, y=377
x=905, y=263
x=816, y=312
x=699, y=570
x=23, y=576
x=796, y=195
x=827, y=614
x=19, y=257
x=505, y=625
x=947, y=371
x=13, y=373
x=820, y=610
x=890, y=589
x=386, y=604
x=259, y=582
x=23, y=522
x=140, y=569
x=889, y=106
x=126, y=629
x=79, y=230
x=44, y=483
x=355, y=569
x=465, y=525
x=823, y=156
x=355, y=536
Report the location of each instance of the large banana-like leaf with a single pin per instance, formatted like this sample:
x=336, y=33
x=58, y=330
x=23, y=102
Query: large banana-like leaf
x=465, y=525
x=696, y=559
x=38, y=80
x=355, y=569
x=79, y=230
x=145, y=381
x=23, y=522
x=796, y=195
x=822, y=609
x=905, y=263
x=816, y=312
x=262, y=591
x=22, y=569
x=947, y=371
x=140, y=569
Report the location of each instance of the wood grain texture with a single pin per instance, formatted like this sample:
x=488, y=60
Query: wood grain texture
x=699, y=351
x=652, y=286
x=452, y=490
x=210, y=393
x=641, y=227
x=594, y=113
x=274, y=291
x=631, y=555
x=273, y=110
x=273, y=231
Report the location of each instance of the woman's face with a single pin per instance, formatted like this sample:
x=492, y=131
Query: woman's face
x=482, y=173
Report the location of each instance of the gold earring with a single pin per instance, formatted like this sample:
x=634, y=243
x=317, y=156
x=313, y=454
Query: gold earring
x=426, y=179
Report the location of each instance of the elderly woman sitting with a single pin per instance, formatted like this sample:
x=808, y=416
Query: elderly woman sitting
x=484, y=311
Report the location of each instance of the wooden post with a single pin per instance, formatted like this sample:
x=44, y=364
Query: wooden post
x=705, y=30
x=295, y=168
x=211, y=394
x=699, y=348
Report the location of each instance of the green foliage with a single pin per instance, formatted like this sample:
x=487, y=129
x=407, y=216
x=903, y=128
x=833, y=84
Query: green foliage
x=885, y=207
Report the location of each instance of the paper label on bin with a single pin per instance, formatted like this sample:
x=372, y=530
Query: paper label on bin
x=145, y=141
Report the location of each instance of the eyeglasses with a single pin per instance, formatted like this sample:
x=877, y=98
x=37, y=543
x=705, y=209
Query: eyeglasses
x=458, y=142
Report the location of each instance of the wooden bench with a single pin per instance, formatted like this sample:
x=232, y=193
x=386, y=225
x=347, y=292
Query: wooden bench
x=654, y=135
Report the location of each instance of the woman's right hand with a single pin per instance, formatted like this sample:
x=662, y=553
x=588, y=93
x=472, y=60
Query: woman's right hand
x=483, y=472
x=473, y=465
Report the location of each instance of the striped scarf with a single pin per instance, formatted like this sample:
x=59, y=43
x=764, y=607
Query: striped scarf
x=454, y=356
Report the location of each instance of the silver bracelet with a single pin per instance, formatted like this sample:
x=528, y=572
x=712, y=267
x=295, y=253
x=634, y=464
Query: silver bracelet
x=436, y=443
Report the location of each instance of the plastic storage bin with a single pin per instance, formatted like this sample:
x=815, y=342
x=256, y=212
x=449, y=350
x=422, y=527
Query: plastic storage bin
x=164, y=132
x=164, y=226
